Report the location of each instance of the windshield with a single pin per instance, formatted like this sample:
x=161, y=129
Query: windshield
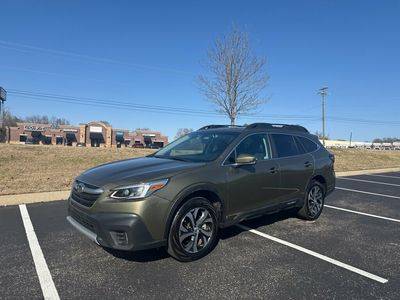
x=199, y=146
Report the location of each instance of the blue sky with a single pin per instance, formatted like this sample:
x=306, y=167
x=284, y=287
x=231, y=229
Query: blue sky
x=155, y=47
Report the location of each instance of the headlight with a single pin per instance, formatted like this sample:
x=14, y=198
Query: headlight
x=138, y=191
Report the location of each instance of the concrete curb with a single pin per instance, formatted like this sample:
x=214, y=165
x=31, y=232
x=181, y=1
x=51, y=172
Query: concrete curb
x=63, y=195
x=33, y=198
x=363, y=172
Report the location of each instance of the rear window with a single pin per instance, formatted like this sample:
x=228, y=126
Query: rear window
x=285, y=145
x=308, y=145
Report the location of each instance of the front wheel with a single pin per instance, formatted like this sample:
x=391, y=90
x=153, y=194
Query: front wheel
x=313, y=202
x=194, y=230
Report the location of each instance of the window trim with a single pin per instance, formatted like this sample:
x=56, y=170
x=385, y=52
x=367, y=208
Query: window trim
x=245, y=137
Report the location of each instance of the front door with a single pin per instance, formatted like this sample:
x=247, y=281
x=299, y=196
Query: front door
x=251, y=187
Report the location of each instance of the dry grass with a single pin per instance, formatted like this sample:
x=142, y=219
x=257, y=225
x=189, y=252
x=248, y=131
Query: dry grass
x=353, y=159
x=33, y=168
x=36, y=168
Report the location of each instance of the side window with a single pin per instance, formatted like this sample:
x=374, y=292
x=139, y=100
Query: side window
x=231, y=159
x=256, y=145
x=285, y=145
x=300, y=146
x=308, y=145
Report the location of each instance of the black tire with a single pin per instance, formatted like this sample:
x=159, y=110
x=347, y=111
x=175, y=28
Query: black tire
x=308, y=211
x=184, y=251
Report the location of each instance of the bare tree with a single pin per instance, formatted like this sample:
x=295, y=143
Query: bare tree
x=182, y=132
x=54, y=121
x=236, y=77
x=10, y=119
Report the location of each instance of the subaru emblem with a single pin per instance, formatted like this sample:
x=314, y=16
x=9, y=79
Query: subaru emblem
x=80, y=187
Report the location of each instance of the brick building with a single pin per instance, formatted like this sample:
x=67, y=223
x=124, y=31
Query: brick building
x=93, y=134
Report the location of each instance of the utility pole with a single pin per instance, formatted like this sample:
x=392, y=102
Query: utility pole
x=351, y=136
x=3, y=96
x=323, y=92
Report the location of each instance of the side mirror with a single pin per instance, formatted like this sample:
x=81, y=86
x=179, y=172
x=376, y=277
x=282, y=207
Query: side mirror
x=245, y=159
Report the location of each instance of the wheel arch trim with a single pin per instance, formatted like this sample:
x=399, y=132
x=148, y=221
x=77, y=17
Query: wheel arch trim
x=184, y=195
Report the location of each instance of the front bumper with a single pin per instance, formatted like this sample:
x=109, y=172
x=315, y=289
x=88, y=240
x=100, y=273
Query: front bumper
x=122, y=231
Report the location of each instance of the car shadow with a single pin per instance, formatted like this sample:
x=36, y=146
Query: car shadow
x=225, y=233
x=255, y=223
x=139, y=256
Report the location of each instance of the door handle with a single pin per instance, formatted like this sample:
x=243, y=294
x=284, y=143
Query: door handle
x=273, y=170
x=308, y=164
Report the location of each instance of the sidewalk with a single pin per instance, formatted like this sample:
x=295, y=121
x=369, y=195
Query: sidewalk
x=33, y=198
x=63, y=195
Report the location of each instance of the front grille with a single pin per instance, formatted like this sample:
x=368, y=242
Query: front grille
x=85, y=199
x=81, y=219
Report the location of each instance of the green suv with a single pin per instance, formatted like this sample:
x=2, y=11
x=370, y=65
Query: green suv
x=217, y=176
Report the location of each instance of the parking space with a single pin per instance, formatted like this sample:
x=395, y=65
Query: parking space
x=18, y=277
x=368, y=187
x=341, y=255
x=367, y=203
x=379, y=178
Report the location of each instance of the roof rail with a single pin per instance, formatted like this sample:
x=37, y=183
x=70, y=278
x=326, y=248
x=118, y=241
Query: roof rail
x=278, y=126
x=212, y=126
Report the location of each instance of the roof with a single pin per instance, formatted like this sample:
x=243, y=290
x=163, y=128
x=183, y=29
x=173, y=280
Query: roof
x=255, y=126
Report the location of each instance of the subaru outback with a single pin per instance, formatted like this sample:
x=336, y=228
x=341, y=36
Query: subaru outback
x=182, y=195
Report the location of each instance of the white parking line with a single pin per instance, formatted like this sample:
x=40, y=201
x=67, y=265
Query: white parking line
x=46, y=281
x=368, y=193
x=368, y=181
x=361, y=213
x=385, y=176
x=315, y=254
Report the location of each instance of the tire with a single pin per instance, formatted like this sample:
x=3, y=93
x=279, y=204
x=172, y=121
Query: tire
x=313, y=205
x=188, y=239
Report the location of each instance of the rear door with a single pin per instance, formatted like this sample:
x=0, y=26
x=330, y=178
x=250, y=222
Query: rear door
x=252, y=186
x=295, y=165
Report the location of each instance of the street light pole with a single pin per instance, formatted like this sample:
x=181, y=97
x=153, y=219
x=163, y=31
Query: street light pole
x=323, y=92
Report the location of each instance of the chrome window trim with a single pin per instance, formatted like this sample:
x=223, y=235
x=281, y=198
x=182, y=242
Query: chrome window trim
x=268, y=134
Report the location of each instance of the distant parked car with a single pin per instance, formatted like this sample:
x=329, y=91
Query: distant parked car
x=138, y=146
x=31, y=141
x=153, y=146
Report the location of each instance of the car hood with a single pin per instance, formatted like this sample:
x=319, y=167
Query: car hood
x=134, y=170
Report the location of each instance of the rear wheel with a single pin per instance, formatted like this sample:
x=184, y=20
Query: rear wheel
x=313, y=202
x=194, y=230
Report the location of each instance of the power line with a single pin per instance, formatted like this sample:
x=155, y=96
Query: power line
x=115, y=104
x=65, y=75
x=71, y=99
x=29, y=48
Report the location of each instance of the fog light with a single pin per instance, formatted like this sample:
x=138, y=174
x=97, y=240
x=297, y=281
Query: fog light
x=120, y=237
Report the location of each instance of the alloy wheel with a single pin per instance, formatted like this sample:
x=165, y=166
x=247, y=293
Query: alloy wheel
x=315, y=200
x=195, y=230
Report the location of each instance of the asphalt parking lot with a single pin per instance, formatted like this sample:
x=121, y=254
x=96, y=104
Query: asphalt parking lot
x=351, y=251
